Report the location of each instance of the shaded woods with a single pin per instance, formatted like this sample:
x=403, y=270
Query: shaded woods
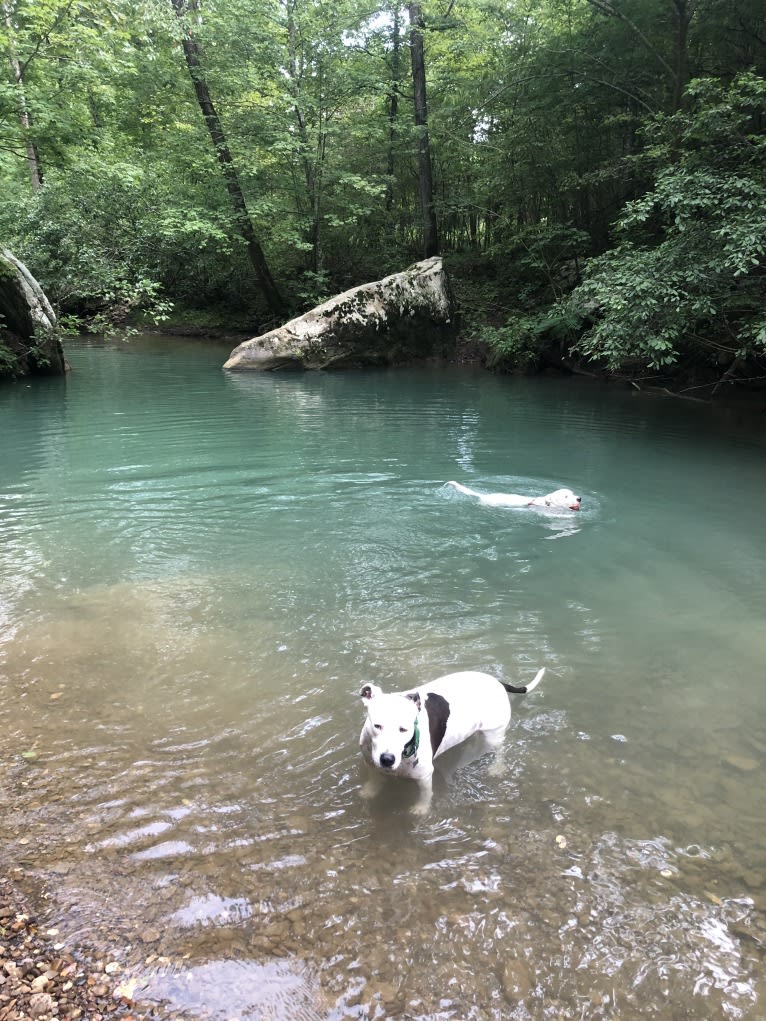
x=592, y=171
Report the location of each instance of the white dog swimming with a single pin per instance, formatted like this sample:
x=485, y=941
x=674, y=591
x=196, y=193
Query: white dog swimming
x=561, y=499
x=405, y=732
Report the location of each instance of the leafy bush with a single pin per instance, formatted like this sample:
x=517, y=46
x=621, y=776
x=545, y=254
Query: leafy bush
x=539, y=263
x=686, y=281
x=108, y=239
x=513, y=346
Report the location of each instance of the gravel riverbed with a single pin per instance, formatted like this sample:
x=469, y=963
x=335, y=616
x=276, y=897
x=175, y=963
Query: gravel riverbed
x=42, y=977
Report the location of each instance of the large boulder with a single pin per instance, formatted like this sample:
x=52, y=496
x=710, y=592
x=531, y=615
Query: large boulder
x=404, y=317
x=29, y=338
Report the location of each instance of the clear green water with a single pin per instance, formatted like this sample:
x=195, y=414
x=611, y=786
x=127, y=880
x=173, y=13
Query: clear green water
x=198, y=570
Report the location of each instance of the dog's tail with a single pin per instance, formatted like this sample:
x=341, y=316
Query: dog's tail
x=464, y=489
x=527, y=687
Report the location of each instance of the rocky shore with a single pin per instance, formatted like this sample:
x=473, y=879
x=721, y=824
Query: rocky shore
x=42, y=978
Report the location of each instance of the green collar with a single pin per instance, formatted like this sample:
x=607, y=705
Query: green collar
x=412, y=745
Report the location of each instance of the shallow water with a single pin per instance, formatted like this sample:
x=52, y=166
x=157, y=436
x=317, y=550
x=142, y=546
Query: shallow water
x=198, y=571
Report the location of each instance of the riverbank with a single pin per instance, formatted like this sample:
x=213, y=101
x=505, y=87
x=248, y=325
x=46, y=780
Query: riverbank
x=470, y=351
x=43, y=977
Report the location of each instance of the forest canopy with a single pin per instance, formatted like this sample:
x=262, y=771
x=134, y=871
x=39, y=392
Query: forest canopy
x=593, y=171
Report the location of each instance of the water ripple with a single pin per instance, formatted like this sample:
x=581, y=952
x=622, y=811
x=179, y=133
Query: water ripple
x=199, y=571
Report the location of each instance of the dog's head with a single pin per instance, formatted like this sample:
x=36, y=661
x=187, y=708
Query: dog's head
x=392, y=725
x=563, y=498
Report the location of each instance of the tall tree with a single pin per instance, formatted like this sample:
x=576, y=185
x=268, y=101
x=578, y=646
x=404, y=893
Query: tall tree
x=425, y=172
x=33, y=160
x=676, y=67
x=532, y=127
x=393, y=103
x=312, y=157
x=193, y=56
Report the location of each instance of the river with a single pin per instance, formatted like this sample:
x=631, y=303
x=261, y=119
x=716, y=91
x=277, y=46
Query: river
x=198, y=572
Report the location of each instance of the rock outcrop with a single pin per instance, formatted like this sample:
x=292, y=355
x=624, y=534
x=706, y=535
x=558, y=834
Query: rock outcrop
x=29, y=339
x=404, y=317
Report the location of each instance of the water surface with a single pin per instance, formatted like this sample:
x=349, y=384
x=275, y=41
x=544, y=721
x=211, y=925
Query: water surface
x=198, y=571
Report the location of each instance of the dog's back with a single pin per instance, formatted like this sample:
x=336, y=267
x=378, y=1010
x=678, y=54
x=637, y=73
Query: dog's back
x=463, y=703
x=493, y=499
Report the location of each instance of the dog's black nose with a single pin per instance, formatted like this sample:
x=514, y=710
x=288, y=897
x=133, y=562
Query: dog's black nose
x=387, y=760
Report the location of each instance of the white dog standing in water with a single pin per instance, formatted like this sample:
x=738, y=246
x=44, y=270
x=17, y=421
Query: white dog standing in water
x=405, y=732
x=561, y=499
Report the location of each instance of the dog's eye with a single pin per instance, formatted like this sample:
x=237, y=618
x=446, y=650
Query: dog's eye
x=402, y=730
x=378, y=726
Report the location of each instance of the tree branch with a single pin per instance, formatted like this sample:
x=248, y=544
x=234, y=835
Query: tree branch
x=607, y=7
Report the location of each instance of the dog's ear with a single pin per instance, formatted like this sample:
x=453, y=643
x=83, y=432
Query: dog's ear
x=369, y=691
x=413, y=696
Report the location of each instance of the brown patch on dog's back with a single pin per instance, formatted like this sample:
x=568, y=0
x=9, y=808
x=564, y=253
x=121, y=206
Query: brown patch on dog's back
x=437, y=708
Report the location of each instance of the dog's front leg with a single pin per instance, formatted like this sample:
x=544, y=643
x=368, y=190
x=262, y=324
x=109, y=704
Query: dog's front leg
x=425, y=792
x=373, y=784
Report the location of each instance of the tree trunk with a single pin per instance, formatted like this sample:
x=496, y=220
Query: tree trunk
x=312, y=168
x=33, y=161
x=393, y=106
x=683, y=16
x=425, y=177
x=193, y=57
x=612, y=10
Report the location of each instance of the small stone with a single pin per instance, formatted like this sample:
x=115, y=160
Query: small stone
x=41, y=1003
x=516, y=981
x=742, y=762
x=386, y=992
x=126, y=990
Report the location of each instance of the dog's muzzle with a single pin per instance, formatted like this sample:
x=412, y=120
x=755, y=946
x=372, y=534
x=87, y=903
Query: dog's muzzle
x=387, y=760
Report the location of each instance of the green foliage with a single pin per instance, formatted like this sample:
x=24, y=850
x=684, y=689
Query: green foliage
x=514, y=346
x=312, y=289
x=527, y=340
x=687, y=277
x=24, y=355
x=539, y=263
x=7, y=357
x=40, y=346
x=513, y=314
x=535, y=121
x=86, y=238
x=8, y=360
